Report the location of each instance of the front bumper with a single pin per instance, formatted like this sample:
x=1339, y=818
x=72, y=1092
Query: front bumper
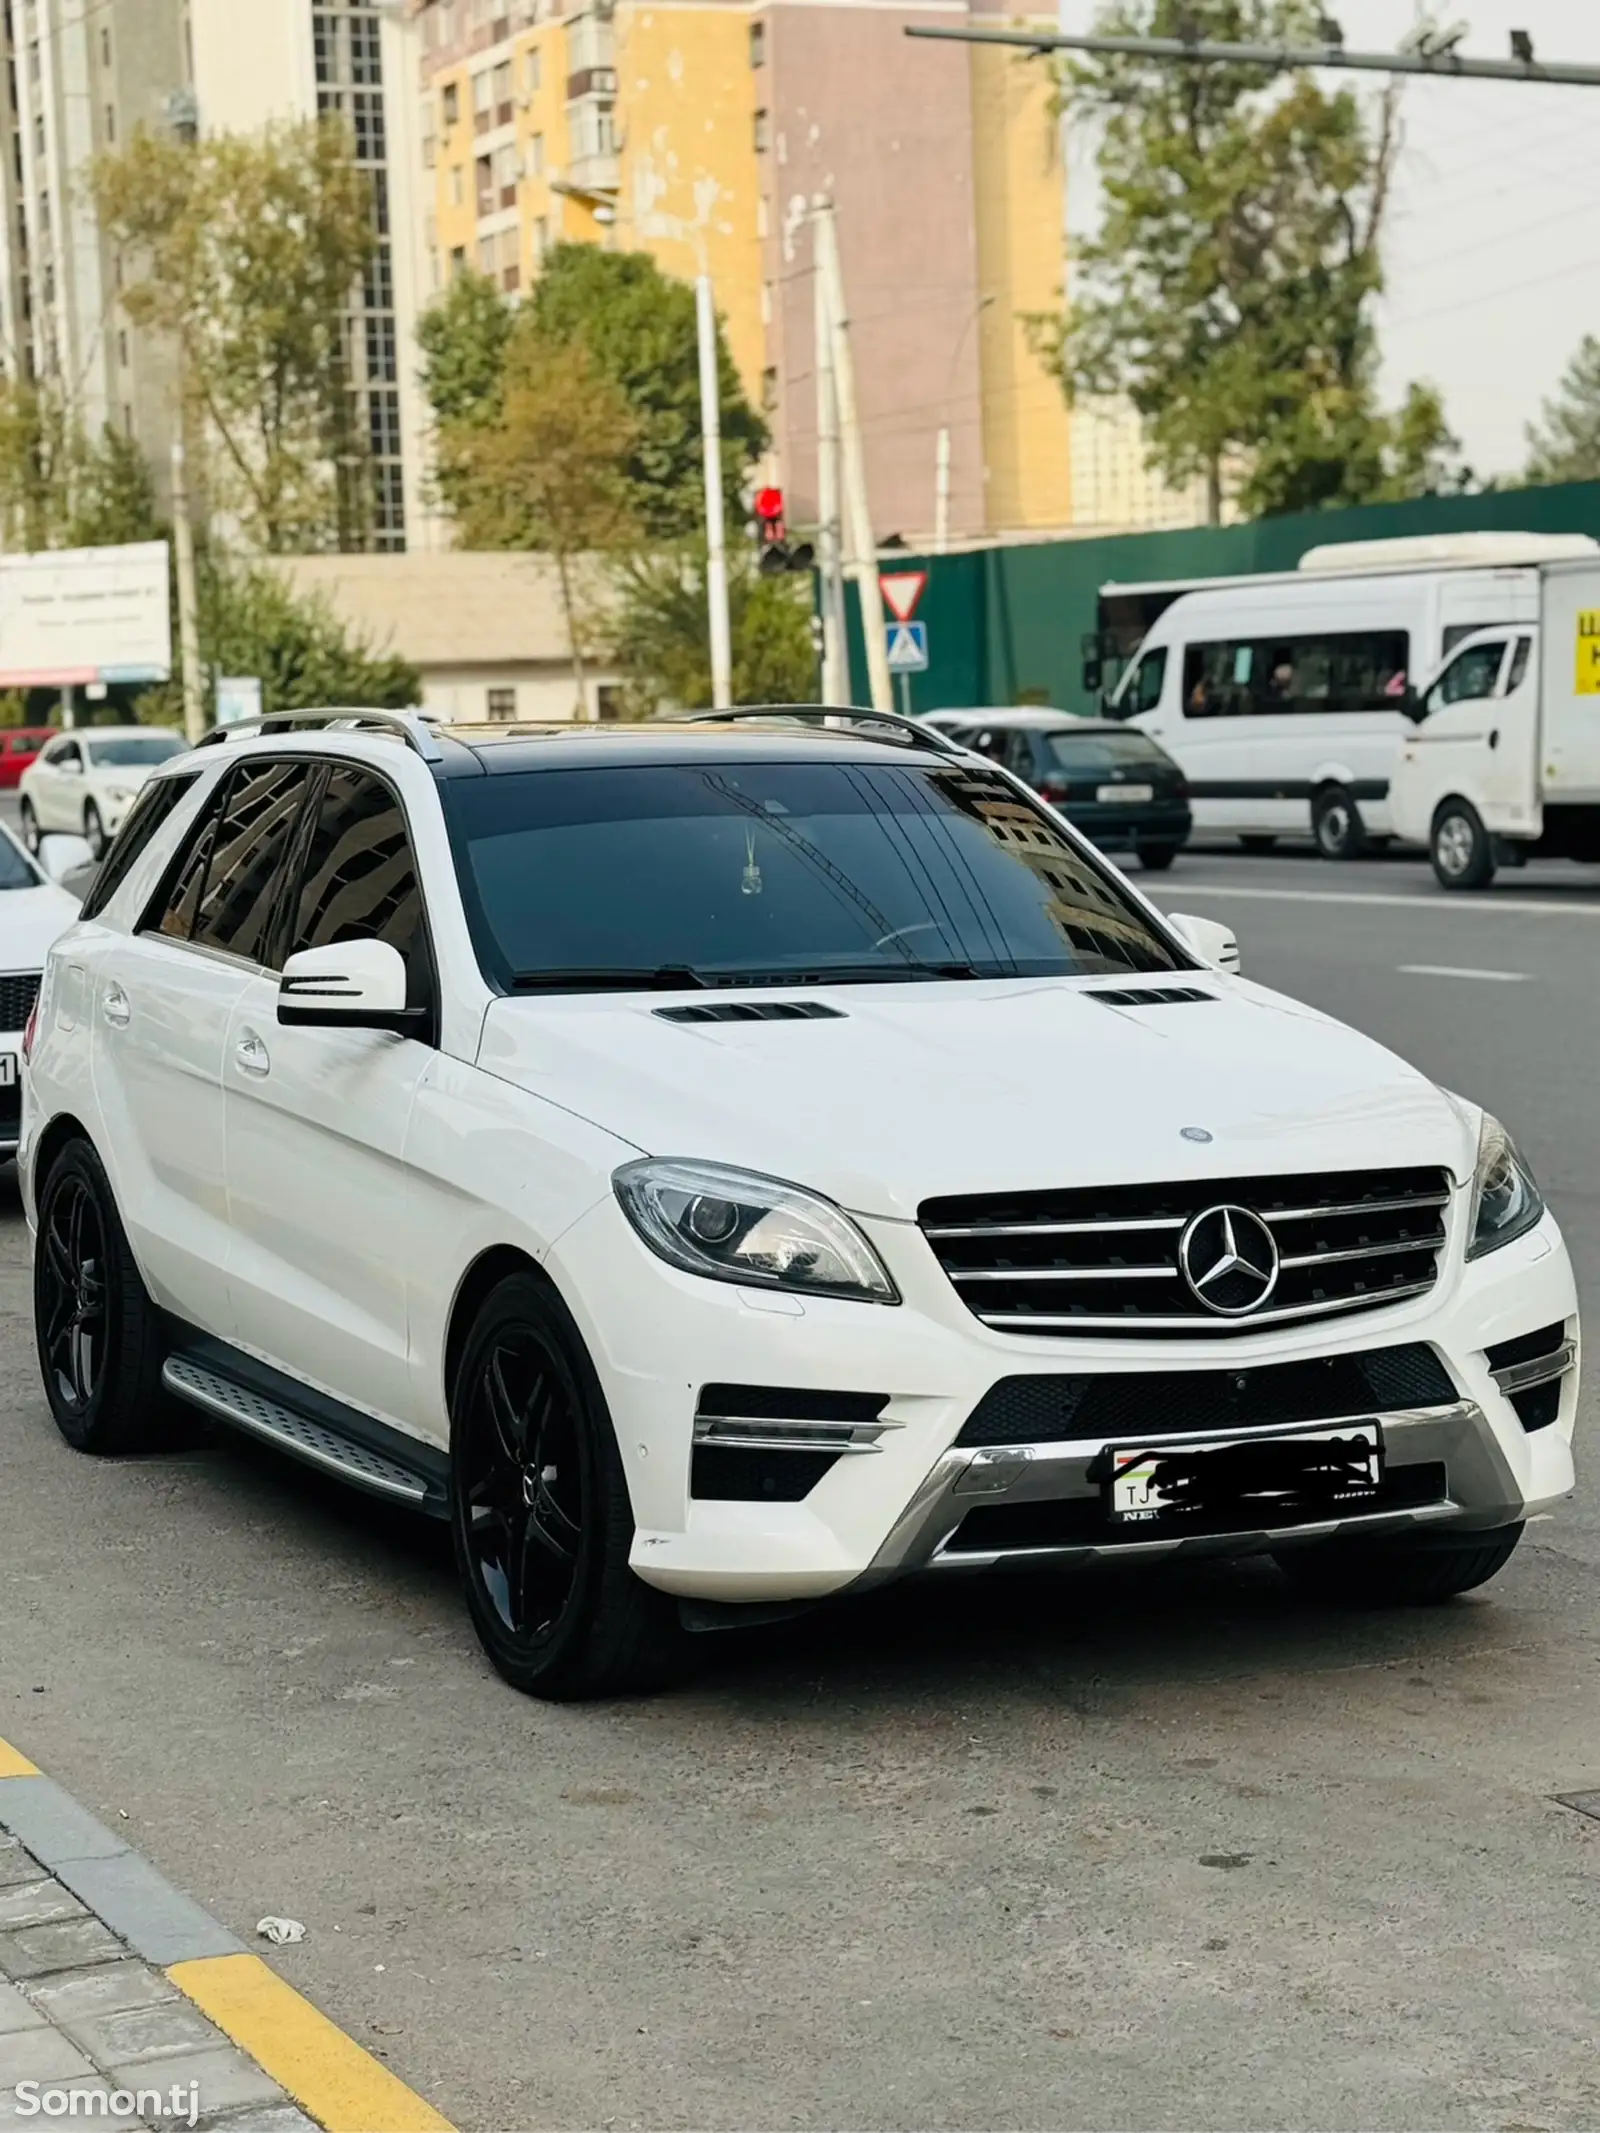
x=895, y=1504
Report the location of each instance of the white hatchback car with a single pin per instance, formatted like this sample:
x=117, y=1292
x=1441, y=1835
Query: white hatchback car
x=83, y=783
x=724, y=1165
x=34, y=911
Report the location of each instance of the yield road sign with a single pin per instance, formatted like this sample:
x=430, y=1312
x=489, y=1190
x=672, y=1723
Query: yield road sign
x=902, y=589
x=908, y=647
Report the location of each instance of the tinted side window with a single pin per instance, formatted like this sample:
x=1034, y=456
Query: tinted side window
x=177, y=901
x=154, y=804
x=1144, y=691
x=359, y=881
x=1519, y=665
x=1353, y=670
x=245, y=874
x=67, y=753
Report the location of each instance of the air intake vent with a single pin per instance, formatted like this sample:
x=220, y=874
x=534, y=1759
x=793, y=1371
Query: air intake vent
x=752, y=1011
x=1150, y=996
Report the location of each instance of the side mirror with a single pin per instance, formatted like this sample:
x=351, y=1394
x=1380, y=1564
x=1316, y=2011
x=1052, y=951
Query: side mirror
x=1211, y=941
x=61, y=856
x=1414, y=706
x=352, y=985
x=71, y=767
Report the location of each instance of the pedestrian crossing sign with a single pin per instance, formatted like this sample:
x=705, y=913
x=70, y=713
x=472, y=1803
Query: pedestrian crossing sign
x=908, y=647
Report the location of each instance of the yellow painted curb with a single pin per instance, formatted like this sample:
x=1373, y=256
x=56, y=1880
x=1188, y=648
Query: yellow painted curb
x=327, y=2073
x=14, y=1764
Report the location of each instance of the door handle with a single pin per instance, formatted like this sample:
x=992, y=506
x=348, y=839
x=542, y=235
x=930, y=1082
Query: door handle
x=252, y=1054
x=1494, y=738
x=116, y=1008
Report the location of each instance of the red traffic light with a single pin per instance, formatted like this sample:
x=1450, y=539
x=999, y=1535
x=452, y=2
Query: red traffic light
x=769, y=506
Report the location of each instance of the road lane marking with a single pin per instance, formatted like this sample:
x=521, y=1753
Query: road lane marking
x=1476, y=906
x=1447, y=970
x=14, y=1764
x=343, y=2087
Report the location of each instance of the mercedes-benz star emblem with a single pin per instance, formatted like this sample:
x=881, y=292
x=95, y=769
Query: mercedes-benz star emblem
x=1229, y=1258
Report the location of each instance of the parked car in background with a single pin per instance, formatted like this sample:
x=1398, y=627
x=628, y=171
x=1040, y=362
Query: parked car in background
x=34, y=911
x=18, y=748
x=83, y=783
x=1112, y=782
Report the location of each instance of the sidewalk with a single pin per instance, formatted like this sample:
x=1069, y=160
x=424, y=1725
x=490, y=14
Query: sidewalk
x=82, y=2015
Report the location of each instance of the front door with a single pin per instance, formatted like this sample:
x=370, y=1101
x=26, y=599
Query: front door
x=319, y=1199
x=1452, y=744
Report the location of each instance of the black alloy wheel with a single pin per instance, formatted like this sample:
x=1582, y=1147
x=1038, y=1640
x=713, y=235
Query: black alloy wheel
x=1156, y=858
x=540, y=1511
x=99, y=1340
x=30, y=827
x=72, y=1295
x=94, y=831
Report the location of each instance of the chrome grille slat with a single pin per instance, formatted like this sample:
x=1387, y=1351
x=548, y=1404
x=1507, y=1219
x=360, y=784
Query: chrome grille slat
x=1106, y=1259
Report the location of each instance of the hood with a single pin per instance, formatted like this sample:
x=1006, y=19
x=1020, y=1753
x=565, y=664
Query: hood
x=918, y=1091
x=31, y=921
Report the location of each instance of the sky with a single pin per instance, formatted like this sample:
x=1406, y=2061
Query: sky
x=1493, y=251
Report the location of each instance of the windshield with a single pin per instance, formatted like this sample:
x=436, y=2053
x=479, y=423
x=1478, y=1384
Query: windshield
x=1085, y=755
x=798, y=871
x=131, y=748
x=15, y=871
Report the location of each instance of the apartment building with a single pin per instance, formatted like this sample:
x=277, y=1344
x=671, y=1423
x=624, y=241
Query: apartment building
x=701, y=131
x=82, y=75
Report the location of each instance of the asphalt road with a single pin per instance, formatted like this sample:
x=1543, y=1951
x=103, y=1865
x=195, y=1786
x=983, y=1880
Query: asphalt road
x=1173, y=1851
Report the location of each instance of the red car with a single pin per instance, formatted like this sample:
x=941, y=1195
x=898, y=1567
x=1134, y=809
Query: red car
x=18, y=749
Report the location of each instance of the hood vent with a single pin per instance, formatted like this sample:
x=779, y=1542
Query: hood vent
x=752, y=1011
x=1152, y=996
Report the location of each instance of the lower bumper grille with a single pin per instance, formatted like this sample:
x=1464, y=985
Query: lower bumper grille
x=1133, y=1259
x=774, y=1443
x=1203, y=1403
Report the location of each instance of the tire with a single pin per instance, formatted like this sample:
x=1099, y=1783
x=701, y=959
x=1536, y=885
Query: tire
x=94, y=830
x=1336, y=824
x=1156, y=858
x=1398, y=1573
x=98, y=1338
x=1460, y=847
x=540, y=1514
x=30, y=827
x=1258, y=844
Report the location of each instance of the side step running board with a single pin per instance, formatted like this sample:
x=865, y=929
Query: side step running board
x=317, y=1443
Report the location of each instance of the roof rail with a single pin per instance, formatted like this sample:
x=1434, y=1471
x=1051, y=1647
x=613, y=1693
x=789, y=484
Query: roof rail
x=413, y=727
x=887, y=725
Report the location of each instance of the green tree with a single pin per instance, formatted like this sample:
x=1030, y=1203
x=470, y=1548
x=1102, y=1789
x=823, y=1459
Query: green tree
x=245, y=251
x=548, y=470
x=638, y=326
x=253, y=622
x=1564, y=444
x=1229, y=290
x=658, y=641
x=62, y=488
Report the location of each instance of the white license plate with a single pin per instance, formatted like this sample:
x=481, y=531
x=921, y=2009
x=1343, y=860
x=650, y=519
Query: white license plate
x=1304, y=1472
x=1129, y=793
x=8, y=1070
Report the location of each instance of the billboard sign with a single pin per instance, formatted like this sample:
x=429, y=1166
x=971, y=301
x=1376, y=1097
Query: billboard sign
x=75, y=616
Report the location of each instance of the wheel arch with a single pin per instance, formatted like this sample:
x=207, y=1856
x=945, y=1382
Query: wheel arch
x=64, y=1127
x=481, y=1278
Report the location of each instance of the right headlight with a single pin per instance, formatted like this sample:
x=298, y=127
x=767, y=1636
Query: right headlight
x=1506, y=1203
x=735, y=1225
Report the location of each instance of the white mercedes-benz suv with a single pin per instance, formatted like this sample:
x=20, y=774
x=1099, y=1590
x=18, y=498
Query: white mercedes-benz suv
x=723, y=1165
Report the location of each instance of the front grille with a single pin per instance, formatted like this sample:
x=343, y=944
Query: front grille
x=1106, y=1259
x=1207, y=1403
x=1083, y=1522
x=18, y=992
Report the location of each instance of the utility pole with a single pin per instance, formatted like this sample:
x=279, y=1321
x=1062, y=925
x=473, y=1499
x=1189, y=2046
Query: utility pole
x=941, y=491
x=1440, y=61
x=830, y=568
x=194, y=711
x=861, y=546
x=705, y=312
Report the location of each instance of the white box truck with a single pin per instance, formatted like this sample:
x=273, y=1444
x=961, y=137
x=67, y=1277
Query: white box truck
x=1502, y=762
x=1284, y=697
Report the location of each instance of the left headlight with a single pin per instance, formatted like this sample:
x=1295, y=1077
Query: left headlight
x=1506, y=1203
x=734, y=1225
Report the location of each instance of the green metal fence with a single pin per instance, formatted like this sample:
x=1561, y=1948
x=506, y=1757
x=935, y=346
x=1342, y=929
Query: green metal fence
x=1006, y=625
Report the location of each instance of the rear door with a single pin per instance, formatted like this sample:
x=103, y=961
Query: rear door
x=1571, y=660
x=319, y=1198
x=163, y=1003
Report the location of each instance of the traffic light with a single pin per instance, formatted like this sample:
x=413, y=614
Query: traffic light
x=777, y=555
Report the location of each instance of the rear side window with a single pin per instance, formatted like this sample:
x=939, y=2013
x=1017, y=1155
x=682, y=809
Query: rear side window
x=359, y=880
x=148, y=812
x=244, y=873
x=1267, y=677
x=1084, y=755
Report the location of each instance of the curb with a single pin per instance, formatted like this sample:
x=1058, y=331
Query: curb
x=327, y=2073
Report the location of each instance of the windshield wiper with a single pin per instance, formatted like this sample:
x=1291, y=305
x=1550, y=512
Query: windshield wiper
x=665, y=977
